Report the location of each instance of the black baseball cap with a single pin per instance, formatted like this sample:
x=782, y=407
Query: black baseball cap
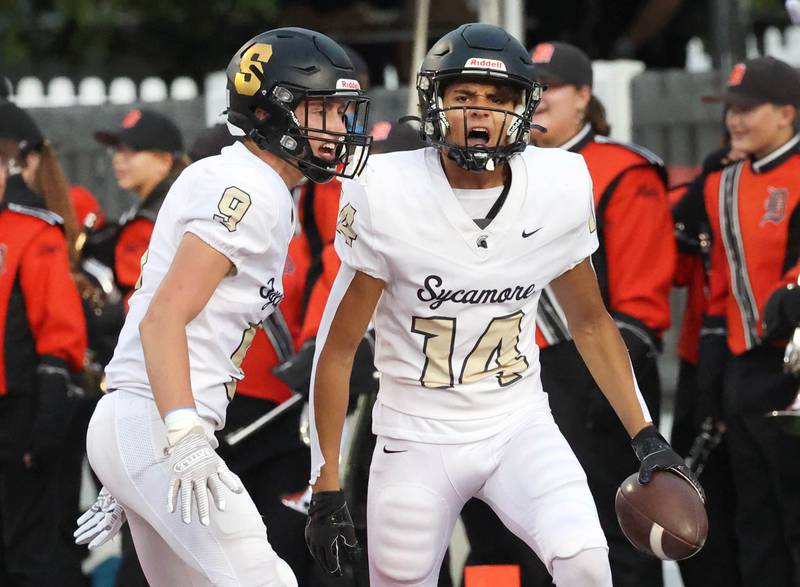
x=144, y=130
x=760, y=81
x=561, y=63
x=17, y=125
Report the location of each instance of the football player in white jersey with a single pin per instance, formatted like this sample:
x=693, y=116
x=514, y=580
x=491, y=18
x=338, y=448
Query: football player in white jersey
x=447, y=249
x=212, y=273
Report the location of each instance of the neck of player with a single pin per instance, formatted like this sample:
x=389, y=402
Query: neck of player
x=290, y=174
x=461, y=179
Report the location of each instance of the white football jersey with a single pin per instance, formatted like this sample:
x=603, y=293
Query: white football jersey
x=239, y=205
x=455, y=323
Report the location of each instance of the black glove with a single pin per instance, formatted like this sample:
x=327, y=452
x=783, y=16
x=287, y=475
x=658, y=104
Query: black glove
x=53, y=410
x=330, y=534
x=782, y=313
x=655, y=454
x=712, y=358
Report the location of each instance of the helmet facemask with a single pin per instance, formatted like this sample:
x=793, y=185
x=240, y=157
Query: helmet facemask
x=515, y=128
x=350, y=148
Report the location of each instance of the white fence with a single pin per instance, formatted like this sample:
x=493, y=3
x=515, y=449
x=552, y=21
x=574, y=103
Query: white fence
x=31, y=92
x=612, y=84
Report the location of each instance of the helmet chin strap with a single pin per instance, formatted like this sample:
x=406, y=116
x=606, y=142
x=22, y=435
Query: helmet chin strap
x=471, y=161
x=315, y=174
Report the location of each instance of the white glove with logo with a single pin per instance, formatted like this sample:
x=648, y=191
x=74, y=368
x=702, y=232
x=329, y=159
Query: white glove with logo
x=101, y=522
x=194, y=468
x=793, y=8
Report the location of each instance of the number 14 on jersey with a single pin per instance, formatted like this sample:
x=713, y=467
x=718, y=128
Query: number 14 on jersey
x=495, y=353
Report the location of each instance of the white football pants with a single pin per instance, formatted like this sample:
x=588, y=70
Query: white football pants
x=126, y=444
x=526, y=473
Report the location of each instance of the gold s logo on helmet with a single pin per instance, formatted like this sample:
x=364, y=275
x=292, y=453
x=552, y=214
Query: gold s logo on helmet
x=246, y=82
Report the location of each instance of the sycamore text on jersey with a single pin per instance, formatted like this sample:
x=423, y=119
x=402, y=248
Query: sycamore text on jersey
x=433, y=292
x=272, y=296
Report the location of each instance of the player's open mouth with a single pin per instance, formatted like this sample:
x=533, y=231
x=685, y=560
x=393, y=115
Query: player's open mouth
x=478, y=137
x=327, y=152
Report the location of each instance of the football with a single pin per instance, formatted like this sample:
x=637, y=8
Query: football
x=665, y=518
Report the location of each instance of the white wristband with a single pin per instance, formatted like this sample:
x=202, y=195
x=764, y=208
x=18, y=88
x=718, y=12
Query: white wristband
x=179, y=422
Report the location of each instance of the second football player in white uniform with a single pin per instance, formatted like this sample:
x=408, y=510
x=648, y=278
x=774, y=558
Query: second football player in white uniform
x=212, y=273
x=451, y=246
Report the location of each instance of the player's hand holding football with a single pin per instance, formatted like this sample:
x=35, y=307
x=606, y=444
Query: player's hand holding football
x=194, y=469
x=330, y=534
x=101, y=522
x=655, y=454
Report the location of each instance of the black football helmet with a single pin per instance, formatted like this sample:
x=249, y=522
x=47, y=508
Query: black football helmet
x=277, y=70
x=484, y=53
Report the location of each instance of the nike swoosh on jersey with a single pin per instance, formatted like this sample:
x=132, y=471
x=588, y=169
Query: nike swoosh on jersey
x=391, y=452
x=527, y=234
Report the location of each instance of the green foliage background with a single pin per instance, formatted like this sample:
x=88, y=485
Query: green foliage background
x=166, y=37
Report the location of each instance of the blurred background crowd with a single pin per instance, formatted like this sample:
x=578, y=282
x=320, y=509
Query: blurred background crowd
x=104, y=103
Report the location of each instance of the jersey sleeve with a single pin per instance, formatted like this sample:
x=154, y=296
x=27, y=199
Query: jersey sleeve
x=583, y=237
x=357, y=239
x=228, y=214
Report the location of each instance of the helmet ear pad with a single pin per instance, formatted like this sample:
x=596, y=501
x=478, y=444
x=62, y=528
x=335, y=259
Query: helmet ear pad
x=240, y=122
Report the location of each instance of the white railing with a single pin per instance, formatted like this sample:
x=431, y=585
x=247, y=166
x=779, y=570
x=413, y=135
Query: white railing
x=30, y=92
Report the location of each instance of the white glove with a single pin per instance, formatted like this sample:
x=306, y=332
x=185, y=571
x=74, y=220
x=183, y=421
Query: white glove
x=101, y=522
x=193, y=468
x=793, y=8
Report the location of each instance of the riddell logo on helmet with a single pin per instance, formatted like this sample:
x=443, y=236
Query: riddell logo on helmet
x=347, y=84
x=737, y=74
x=543, y=53
x=131, y=118
x=481, y=63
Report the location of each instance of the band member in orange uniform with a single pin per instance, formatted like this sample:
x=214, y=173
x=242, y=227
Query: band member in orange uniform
x=42, y=340
x=753, y=207
x=147, y=158
x=705, y=448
